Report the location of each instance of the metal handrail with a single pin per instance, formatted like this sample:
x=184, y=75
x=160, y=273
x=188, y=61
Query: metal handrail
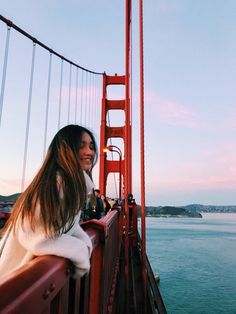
x=46, y=282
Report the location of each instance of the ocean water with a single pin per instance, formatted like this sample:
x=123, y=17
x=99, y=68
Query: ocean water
x=196, y=261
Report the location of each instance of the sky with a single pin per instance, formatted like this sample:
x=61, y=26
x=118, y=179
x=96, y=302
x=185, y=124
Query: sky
x=190, y=79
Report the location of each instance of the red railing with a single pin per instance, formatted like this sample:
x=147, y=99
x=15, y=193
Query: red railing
x=44, y=285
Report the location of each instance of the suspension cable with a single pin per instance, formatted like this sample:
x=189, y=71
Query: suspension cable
x=142, y=149
x=4, y=71
x=82, y=91
x=63, y=98
x=94, y=101
x=110, y=140
x=89, y=100
x=86, y=98
x=76, y=94
x=47, y=104
x=69, y=96
x=60, y=96
x=97, y=107
x=96, y=125
x=35, y=40
x=28, y=117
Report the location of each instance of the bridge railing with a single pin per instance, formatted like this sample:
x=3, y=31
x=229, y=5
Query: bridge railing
x=45, y=285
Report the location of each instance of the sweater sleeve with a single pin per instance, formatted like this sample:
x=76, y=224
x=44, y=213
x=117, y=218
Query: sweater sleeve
x=79, y=233
x=76, y=249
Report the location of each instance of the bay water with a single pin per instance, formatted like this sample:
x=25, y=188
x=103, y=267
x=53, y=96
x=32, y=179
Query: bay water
x=196, y=261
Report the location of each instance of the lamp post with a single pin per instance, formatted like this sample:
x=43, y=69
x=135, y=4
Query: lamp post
x=117, y=150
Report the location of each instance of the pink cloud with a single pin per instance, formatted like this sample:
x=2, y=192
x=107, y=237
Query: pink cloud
x=9, y=186
x=224, y=154
x=232, y=120
x=178, y=184
x=217, y=182
x=171, y=112
x=232, y=170
x=217, y=170
x=226, y=119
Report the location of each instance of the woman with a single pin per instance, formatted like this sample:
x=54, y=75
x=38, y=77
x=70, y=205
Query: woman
x=45, y=219
x=106, y=204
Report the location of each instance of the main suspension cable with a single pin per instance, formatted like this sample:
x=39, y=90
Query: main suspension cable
x=36, y=41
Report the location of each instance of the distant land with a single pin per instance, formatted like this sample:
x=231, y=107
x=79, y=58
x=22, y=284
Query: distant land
x=167, y=211
x=211, y=208
x=9, y=198
x=192, y=210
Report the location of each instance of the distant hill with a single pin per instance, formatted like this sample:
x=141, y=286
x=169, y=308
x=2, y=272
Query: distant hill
x=192, y=210
x=169, y=211
x=211, y=208
x=11, y=198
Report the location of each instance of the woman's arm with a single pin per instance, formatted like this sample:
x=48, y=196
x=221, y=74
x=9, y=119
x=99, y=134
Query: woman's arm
x=74, y=248
x=79, y=233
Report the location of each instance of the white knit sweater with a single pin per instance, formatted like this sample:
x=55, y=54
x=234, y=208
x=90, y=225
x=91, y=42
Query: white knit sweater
x=26, y=243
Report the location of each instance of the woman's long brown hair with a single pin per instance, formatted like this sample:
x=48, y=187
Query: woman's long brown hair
x=59, y=187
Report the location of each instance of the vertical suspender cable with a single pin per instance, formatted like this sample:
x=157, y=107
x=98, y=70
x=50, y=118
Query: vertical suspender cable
x=131, y=79
x=76, y=94
x=81, y=94
x=89, y=105
x=96, y=117
x=99, y=96
x=47, y=105
x=127, y=149
x=86, y=98
x=4, y=72
x=28, y=118
x=68, y=118
x=142, y=157
x=130, y=102
x=112, y=157
x=60, y=96
x=94, y=103
x=92, y=100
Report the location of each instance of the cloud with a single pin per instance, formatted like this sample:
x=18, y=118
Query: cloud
x=232, y=170
x=212, y=169
x=222, y=155
x=171, y=112
x=9, y=186
x=174, y=184
x=232, y=119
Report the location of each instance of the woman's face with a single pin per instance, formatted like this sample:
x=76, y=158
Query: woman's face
x=86, y=152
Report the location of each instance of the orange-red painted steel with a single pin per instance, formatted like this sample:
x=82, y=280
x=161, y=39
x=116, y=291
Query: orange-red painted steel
x=142, y=158
x=128, y=146
x=45, y=283
x=125, y=166
x=36, y=285
x=108, y=132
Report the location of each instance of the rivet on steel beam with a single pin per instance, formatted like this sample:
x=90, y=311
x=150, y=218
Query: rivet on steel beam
x=46, y=294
